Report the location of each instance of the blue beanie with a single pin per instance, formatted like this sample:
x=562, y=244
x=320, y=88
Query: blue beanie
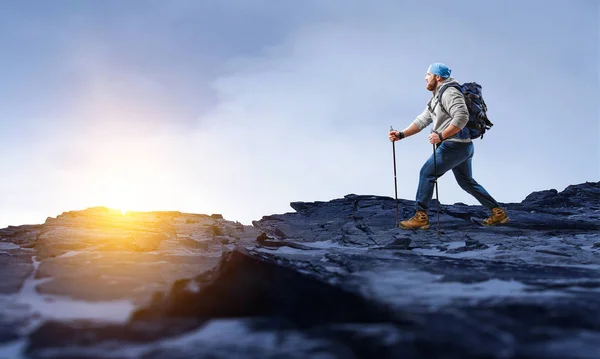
x=439, y=69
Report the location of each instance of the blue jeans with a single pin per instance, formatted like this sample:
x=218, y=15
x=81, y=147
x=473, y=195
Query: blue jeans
x=455, y=156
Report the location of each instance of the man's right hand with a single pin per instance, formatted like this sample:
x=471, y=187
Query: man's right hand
x=394, y=136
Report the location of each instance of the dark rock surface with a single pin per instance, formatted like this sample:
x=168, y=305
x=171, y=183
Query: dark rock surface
x=333, y=280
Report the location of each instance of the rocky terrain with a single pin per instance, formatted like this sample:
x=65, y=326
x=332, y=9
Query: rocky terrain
x=330, y=280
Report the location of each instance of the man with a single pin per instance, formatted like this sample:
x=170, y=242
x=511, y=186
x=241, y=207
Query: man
x=454, y=148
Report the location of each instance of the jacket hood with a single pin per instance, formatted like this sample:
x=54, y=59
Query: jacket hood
x=446, y=82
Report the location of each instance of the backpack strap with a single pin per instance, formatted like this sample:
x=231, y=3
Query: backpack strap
x=429, y=106
x=441, y=92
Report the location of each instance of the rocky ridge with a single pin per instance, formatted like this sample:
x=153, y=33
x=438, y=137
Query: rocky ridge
x=333, y=280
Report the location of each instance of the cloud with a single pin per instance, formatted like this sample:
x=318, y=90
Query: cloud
x=242, y=107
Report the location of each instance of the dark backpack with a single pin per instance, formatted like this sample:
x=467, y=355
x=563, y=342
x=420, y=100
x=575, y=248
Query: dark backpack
x=478, y=120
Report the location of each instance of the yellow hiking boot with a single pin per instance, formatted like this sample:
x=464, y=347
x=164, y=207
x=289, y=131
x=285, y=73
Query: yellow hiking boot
x=498, y=217
x=418, y=221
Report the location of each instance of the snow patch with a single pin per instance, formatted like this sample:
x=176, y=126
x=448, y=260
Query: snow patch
x=13, y=350
x=8, y=246
x=472, y=253
x=70, y=254
x=192, y=286
x=62, y=308
x=314, y=247
x=417, y=287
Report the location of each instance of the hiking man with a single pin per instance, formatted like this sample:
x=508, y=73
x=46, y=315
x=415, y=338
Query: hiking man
x=454, y=148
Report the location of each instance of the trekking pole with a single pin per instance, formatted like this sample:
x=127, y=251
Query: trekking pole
x=395, y=181
x=437, y=196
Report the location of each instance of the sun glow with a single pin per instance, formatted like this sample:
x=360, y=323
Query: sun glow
x=123, y=205
x=129, y=173
x=131, y=201
x=133, y=193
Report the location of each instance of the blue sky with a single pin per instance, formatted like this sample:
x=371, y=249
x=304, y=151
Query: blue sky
x=241, y=107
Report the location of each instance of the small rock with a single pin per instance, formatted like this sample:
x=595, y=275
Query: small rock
x=222, y=239
x=471, y=242
x=264, y=240
x=547, y=251
x=400, y=242
x=279, y=233
x=467, y=248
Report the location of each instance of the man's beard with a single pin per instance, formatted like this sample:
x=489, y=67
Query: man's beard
x=432, y=85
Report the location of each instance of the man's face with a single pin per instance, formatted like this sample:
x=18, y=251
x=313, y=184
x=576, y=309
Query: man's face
x=431, y=81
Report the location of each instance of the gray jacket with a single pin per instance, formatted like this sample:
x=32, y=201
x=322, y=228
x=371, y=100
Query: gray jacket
x=454, y=102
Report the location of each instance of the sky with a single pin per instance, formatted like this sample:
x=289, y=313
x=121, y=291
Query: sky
x=240, y=107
